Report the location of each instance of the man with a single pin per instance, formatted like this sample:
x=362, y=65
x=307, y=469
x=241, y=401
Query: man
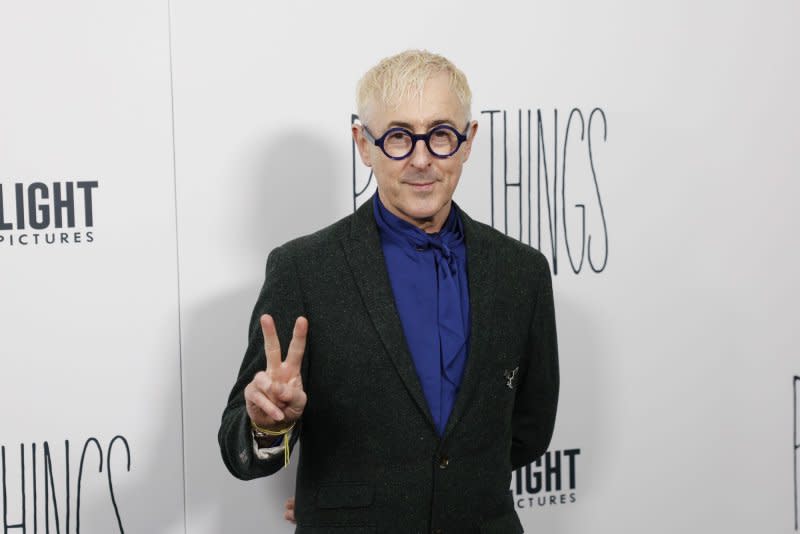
x=420, y=362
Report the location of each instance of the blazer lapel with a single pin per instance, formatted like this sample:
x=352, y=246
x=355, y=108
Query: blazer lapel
x=481, y=275
x=366, y=260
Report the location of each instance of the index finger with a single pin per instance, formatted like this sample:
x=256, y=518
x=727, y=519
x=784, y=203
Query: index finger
x=272, y=346
x=297, y=347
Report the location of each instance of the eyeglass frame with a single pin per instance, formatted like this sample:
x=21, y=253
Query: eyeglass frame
x=379, y=141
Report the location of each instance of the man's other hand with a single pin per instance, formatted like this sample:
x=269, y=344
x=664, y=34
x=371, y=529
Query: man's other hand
x=288, y=512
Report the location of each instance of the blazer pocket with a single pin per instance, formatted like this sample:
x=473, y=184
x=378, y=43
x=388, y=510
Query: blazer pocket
x=345, y=495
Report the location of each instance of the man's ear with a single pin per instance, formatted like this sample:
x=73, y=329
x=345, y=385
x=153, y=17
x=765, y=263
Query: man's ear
x=362, y=143
x=467, y=146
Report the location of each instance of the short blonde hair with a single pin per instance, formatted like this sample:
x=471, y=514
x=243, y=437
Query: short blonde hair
x=403, y=75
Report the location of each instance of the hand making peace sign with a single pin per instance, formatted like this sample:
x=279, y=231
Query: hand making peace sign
x=275, y=398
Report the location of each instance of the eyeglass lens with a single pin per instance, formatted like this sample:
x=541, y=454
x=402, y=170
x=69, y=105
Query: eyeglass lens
x=442, y=142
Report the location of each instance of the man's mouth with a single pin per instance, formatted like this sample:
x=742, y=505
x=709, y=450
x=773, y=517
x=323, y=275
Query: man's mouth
x=421, y=186
x=420, y=182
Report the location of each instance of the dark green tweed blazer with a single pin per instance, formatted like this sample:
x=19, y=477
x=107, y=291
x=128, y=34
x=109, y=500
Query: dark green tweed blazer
x=371, y=460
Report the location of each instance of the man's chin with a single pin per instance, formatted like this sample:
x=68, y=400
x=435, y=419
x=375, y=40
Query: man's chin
x=424, y=213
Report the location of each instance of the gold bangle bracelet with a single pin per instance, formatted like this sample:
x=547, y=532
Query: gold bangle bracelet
x=267, y=432
x=283, y=432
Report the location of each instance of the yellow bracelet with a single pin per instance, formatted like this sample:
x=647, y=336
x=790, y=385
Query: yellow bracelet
x=267, y=432
x=283, y=432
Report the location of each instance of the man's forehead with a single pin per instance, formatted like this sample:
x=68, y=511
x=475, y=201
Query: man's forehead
x=421, y=123
x=420, y=114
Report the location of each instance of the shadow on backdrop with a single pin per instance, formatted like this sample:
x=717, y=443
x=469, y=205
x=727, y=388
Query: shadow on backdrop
x=286, y=192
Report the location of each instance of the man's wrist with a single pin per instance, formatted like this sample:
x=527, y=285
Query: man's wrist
x=265, y=439
x=276, y=429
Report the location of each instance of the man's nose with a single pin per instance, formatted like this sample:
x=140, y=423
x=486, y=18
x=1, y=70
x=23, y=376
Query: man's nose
x=421, y=156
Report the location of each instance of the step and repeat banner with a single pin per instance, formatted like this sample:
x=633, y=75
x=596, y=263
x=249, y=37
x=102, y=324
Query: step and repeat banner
x=152, y=153
x=90, y=395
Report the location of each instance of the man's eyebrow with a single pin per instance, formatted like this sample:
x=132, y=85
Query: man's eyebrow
x=428, y=126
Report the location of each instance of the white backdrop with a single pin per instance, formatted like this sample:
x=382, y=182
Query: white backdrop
x=89, y=324
x=218, y=131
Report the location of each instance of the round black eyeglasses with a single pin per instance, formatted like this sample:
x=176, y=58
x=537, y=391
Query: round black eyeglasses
x=398, y=143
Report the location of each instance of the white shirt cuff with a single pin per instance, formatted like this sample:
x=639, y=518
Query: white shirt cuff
x=269, y=452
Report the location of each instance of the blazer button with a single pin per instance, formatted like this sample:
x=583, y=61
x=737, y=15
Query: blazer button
x=443, y=462
x=438, y=531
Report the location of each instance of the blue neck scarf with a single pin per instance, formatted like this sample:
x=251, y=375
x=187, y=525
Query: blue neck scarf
x=428, y=274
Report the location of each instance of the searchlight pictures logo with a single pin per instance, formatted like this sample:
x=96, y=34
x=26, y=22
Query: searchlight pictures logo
x=549, y=481
x=47, y=213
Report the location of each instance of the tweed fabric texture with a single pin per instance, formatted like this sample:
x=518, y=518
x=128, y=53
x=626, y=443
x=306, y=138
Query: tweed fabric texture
x=371, y=459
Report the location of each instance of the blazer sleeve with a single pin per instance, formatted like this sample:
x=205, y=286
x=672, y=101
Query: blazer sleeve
x=281, y=297
x=535, y=406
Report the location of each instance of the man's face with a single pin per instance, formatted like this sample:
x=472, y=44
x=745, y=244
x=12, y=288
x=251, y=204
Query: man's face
x=418, y=189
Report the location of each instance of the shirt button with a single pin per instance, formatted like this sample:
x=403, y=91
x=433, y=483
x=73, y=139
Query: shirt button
x=420, y=249
x=443, y=462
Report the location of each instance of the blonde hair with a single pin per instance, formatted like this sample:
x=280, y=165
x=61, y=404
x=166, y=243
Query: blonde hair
x=403, y=75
